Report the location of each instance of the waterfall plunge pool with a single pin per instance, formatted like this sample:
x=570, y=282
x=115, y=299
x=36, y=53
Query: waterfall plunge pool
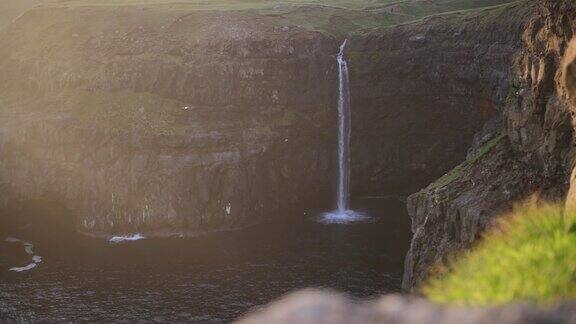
x=209, y=279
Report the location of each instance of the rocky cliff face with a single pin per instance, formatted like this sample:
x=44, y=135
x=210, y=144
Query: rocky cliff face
x=166, y=123
x=568, y=76
x=173, y=120
x=531, y=152
x=422, y=90
x=568, y=90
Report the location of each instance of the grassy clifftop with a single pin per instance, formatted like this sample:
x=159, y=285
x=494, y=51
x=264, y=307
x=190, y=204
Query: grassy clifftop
x=10, y=9
x=336, y=17
x=416, y=7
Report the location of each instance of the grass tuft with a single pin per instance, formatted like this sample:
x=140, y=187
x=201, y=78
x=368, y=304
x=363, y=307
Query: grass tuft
x=530, y=256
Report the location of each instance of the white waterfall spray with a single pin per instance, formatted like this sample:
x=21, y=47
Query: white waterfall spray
x=343, y=214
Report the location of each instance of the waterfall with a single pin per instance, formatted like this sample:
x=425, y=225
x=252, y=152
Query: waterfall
x=343, y=132
x=343, y=214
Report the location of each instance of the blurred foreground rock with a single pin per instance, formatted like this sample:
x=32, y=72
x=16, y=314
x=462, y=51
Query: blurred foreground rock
x=319, y=307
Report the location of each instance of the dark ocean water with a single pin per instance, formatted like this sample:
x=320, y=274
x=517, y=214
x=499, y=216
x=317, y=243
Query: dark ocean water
x=214, y=278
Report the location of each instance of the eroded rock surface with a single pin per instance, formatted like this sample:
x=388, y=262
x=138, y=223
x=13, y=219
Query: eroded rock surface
x=531, y=153
x=172, y=120
x=166, y=121
x=568, y=81
x=420, y=92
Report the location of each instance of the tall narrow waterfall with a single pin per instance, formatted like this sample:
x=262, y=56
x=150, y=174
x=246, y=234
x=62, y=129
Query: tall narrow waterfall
x=343, y=132
x=343, y=214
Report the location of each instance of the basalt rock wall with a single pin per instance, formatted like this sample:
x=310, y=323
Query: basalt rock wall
x=422, y=90
x=531, y=153
x=165, y=119
x=157, y=121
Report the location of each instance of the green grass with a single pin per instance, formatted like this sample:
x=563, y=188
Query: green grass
x=421, y=9
x=122, y=111
x=530, y=256
x=128, y=112
x=457, y=171
x=335, y=17
x=417, y=7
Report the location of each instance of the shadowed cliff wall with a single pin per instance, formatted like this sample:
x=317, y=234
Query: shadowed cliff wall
x=531, y=153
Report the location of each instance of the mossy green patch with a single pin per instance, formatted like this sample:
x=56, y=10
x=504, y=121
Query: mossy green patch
x=128, y=112
x=118, y=111
x=457, y=171
x=530, y=256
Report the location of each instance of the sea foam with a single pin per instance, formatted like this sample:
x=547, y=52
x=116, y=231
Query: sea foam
x=28, y=248
x=124, y=238
x=26, y=268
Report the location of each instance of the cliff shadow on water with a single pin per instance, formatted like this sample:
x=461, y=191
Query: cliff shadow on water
x=211, y=278
x=46, y=220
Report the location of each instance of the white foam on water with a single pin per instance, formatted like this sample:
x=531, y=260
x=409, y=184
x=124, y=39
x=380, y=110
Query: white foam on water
x=26, y=268
x=120, y=239
x=28, y=248
x=345, y=217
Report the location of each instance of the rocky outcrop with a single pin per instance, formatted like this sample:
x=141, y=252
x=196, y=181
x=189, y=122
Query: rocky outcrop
x=532, y=152
x=568, y=89
x=310, y=307
x=568, y=77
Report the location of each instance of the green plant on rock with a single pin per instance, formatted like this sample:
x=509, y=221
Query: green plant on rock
x=457, y=171
x=530, y=256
